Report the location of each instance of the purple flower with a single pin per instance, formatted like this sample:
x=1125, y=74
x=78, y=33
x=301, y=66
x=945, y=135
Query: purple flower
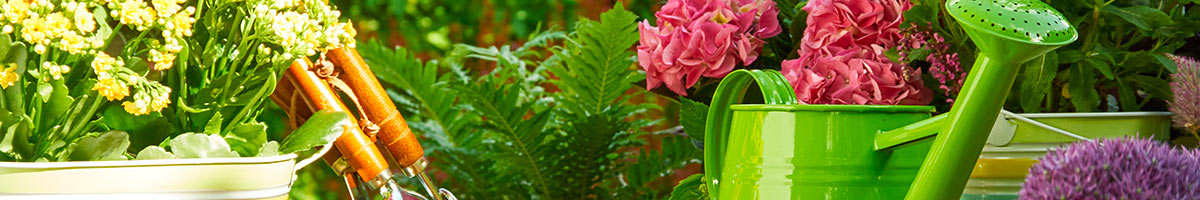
x=1186, y=86
x=696, y=38
x=1121, y=168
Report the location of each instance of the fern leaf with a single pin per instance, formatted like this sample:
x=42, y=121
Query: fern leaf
x=597, y=70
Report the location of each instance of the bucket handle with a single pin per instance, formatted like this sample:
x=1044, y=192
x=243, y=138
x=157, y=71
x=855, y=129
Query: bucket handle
x=775, y=90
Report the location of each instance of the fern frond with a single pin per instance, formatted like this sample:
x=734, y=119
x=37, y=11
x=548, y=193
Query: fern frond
x=598, y=61
x=505, y=112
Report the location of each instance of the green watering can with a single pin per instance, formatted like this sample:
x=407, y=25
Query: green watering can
x=782, y=150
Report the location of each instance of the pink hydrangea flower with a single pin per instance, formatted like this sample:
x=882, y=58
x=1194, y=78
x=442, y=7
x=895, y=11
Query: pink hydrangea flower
x=841, y=56
x=855, y=76
x=845, y=23
x=698, y=38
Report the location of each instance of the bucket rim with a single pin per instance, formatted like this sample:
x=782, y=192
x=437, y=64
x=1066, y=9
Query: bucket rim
x=146, y=163
x=1150, y=114
x=834, y=108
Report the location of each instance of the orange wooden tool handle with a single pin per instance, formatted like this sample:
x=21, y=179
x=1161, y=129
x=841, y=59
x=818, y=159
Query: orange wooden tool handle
x=393, y=131
x=359, y=151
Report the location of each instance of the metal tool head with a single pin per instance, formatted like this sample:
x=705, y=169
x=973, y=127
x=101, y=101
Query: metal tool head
x=1013, y=30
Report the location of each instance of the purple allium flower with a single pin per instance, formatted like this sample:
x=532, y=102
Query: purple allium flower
x=1186, y=86
x=1119, y=168
x=944, y=65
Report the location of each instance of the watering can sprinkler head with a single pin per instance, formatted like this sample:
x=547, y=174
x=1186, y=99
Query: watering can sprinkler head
x=1012, y=30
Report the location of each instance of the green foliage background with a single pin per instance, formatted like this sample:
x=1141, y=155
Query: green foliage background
x=556, y=117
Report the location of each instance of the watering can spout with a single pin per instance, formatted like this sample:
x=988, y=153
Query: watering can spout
x=915, y=132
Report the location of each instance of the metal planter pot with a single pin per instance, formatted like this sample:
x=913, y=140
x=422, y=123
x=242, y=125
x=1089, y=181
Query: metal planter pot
x=1015, y=144
x=209, y=178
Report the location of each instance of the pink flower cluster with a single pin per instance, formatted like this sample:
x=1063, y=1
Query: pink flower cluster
x=706, y=38
x=841, y=55
x=943, y=64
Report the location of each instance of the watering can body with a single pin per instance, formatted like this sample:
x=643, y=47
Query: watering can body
x=817, y=152
x=782, y=150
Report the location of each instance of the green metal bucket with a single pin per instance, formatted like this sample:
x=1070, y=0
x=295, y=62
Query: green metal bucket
x=788, y=151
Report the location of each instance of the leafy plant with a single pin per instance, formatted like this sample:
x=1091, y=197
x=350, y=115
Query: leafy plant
x=534, y=142
x=149, y=72
x=1117, y=64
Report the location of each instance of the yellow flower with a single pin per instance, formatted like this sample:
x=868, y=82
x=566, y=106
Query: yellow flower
x=151, y=98
x=8, y=77
x=112, y=88
x=162, y=60
x=56, y=71
x=136, y=13
x=84, y=20
x=279, y=4
x=102, y=63
x=35, y=31
x=39, y=48
x=73, y=43
x=166, y=8
x=15, y=10
x=181, y=24
x=58, y=24
x=137, y=107
x=161, y=99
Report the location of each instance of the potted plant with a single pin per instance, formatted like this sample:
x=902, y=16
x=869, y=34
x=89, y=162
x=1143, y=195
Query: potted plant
x=90, y=84
x=1111, y=83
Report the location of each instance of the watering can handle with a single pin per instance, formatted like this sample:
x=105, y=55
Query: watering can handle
x=775, y=90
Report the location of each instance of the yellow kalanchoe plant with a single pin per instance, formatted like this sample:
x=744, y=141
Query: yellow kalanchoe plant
x=72, y=69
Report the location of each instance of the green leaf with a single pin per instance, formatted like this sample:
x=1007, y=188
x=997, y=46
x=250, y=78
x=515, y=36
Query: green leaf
x=269, y=149
x=247, y=138
x=59, y=101
x=1037, y=80
x=1098, y=64
x=690, y=188
x=101, y=16
x=5, y=45
x=321, y=129
x=1082, y=89
x=1166, y=62
x=1126, y=97
x=45, y=90
x=1144, y=17
x=200, y=145
x=214, y=124
x=104, y=146
x=692, y=116
x=1069, y=55
x=1155, y=87
x=154, y=153
x=116, y=118
x=597, y=71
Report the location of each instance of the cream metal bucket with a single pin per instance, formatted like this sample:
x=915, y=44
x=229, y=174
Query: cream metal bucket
x=1018, y=140
x=208, y=178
